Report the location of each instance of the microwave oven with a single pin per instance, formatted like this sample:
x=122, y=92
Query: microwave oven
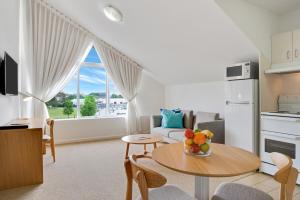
x=245, y=70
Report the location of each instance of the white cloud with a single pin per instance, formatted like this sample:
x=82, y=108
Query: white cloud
x=91, y=79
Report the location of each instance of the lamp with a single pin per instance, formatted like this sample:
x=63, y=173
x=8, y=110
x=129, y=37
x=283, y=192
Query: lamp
x=113, y=13
x=28, y=97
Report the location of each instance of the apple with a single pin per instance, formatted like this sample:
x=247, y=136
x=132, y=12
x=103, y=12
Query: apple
x=188, y=141
x=195, y=148
x=189, y=133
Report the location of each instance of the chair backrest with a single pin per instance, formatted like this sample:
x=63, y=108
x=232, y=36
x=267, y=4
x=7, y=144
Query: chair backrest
x=286, y=175
x=144, y=177
x=50, y=123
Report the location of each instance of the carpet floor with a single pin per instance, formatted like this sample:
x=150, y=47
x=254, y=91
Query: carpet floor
x=94, y=171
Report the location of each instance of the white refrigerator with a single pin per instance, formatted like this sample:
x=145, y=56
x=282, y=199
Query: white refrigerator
x=241, y=114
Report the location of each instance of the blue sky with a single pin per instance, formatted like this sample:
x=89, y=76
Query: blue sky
x=91, y=79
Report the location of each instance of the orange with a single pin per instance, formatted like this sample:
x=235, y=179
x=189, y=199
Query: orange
x=199, y=138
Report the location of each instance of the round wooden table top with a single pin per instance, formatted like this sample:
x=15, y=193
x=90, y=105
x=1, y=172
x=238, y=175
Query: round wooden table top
x=223, y=162
x=142, y=139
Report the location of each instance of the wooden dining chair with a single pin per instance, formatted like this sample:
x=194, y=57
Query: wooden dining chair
x=286, y=176
x=147, y=178
x=49, y=139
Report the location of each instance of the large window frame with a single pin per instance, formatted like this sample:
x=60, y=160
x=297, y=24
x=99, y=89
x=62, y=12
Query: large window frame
x=107, y=96
x=108, y=81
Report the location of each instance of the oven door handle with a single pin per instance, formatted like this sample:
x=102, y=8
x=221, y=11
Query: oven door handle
x=293, y=137
x=281, y=118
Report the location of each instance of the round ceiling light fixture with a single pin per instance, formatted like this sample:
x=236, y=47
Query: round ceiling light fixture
x=113, y=13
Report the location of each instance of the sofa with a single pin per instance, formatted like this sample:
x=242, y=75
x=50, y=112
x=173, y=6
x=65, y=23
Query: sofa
x=200, y=120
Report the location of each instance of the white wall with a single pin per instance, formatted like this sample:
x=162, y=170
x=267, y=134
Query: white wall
x=256, y=23
x=78, y=130
x=150, y=98
x=209, y=97
x=289, y=21
x=9, y=41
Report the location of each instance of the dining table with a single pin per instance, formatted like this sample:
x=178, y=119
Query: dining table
x=224, y=161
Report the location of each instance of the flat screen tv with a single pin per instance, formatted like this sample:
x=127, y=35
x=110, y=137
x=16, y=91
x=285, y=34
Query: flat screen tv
x=9, y=76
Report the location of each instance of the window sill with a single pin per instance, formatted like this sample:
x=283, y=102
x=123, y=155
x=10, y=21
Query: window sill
x=91, y=118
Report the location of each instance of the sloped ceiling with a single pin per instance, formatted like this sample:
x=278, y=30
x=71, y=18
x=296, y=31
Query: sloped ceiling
x=279, y=7
x=176, y=41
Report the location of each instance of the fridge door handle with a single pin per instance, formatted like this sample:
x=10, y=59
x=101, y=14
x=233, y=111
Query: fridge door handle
x=237, y=102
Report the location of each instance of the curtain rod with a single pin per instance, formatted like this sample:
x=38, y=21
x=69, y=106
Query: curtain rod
x=92, y=35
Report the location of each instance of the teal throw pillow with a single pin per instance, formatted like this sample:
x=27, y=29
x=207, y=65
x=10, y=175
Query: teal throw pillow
x=171, y=119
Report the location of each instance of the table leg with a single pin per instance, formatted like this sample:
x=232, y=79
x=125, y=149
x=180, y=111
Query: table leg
x=154, y=145
x=201, y=188
x=127, y=150
x=145, y=149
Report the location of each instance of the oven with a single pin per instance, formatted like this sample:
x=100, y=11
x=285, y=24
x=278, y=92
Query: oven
x=280, y=134
x=282, y=143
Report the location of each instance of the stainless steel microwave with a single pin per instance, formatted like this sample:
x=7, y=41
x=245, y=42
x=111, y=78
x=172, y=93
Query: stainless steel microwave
x=245, y=70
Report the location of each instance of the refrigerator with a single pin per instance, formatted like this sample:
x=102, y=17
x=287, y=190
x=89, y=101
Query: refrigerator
x=241, y=114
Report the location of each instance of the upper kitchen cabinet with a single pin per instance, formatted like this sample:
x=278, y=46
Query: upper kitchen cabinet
x=285, y=53
x=296, y=46
x=282, y=48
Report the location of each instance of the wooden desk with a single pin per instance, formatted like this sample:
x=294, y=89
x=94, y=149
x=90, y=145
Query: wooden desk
x=21, y=157
x=223, y=162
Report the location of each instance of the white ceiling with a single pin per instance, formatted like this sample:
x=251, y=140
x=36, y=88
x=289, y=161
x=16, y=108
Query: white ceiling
x=278, y=6
x=177, y=41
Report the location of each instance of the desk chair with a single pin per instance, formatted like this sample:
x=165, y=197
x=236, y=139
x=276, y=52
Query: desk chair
x=49, y=139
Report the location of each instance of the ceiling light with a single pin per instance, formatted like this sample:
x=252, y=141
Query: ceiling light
x=113, y=13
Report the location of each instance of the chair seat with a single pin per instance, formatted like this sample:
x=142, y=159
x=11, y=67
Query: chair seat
x=168, y=192
x=235, y=191
x=46, y=137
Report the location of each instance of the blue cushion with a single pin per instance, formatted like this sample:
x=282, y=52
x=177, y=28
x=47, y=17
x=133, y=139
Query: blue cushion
x=171, y=119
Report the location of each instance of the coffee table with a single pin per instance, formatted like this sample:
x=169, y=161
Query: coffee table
x=141, y=139
x=225, y=161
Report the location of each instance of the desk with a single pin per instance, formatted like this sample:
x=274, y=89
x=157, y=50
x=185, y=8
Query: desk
x=223, y=162
x=21, y=156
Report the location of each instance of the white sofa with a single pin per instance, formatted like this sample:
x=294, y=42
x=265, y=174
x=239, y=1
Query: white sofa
x=201, y=120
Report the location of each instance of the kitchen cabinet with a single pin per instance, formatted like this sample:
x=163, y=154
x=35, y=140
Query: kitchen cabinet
x=285, y=53
x=282, y=48
x=296, y=46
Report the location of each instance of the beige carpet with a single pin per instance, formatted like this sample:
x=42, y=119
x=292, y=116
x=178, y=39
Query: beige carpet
x=95, y=170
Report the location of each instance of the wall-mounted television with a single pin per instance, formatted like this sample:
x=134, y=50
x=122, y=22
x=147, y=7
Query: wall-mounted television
x=8, y=75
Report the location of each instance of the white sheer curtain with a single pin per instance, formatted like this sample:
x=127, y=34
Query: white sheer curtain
x=51, y=48
x=126, y=74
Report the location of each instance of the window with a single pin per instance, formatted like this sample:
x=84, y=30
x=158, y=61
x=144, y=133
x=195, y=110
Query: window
x=90, y=93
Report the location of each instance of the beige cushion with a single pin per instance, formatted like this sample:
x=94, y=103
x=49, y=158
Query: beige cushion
x=165, y=131
x=235, y=191
x=168, y=192
x=205, y=117
x=188, y=119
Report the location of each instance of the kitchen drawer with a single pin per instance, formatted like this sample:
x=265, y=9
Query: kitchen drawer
x=280, y=124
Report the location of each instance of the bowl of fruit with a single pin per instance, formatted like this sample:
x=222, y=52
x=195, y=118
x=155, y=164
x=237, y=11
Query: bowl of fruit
x=197, y=142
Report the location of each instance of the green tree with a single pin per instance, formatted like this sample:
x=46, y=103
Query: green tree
x=68, y=108
x=71, y=96
x=89, y=107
